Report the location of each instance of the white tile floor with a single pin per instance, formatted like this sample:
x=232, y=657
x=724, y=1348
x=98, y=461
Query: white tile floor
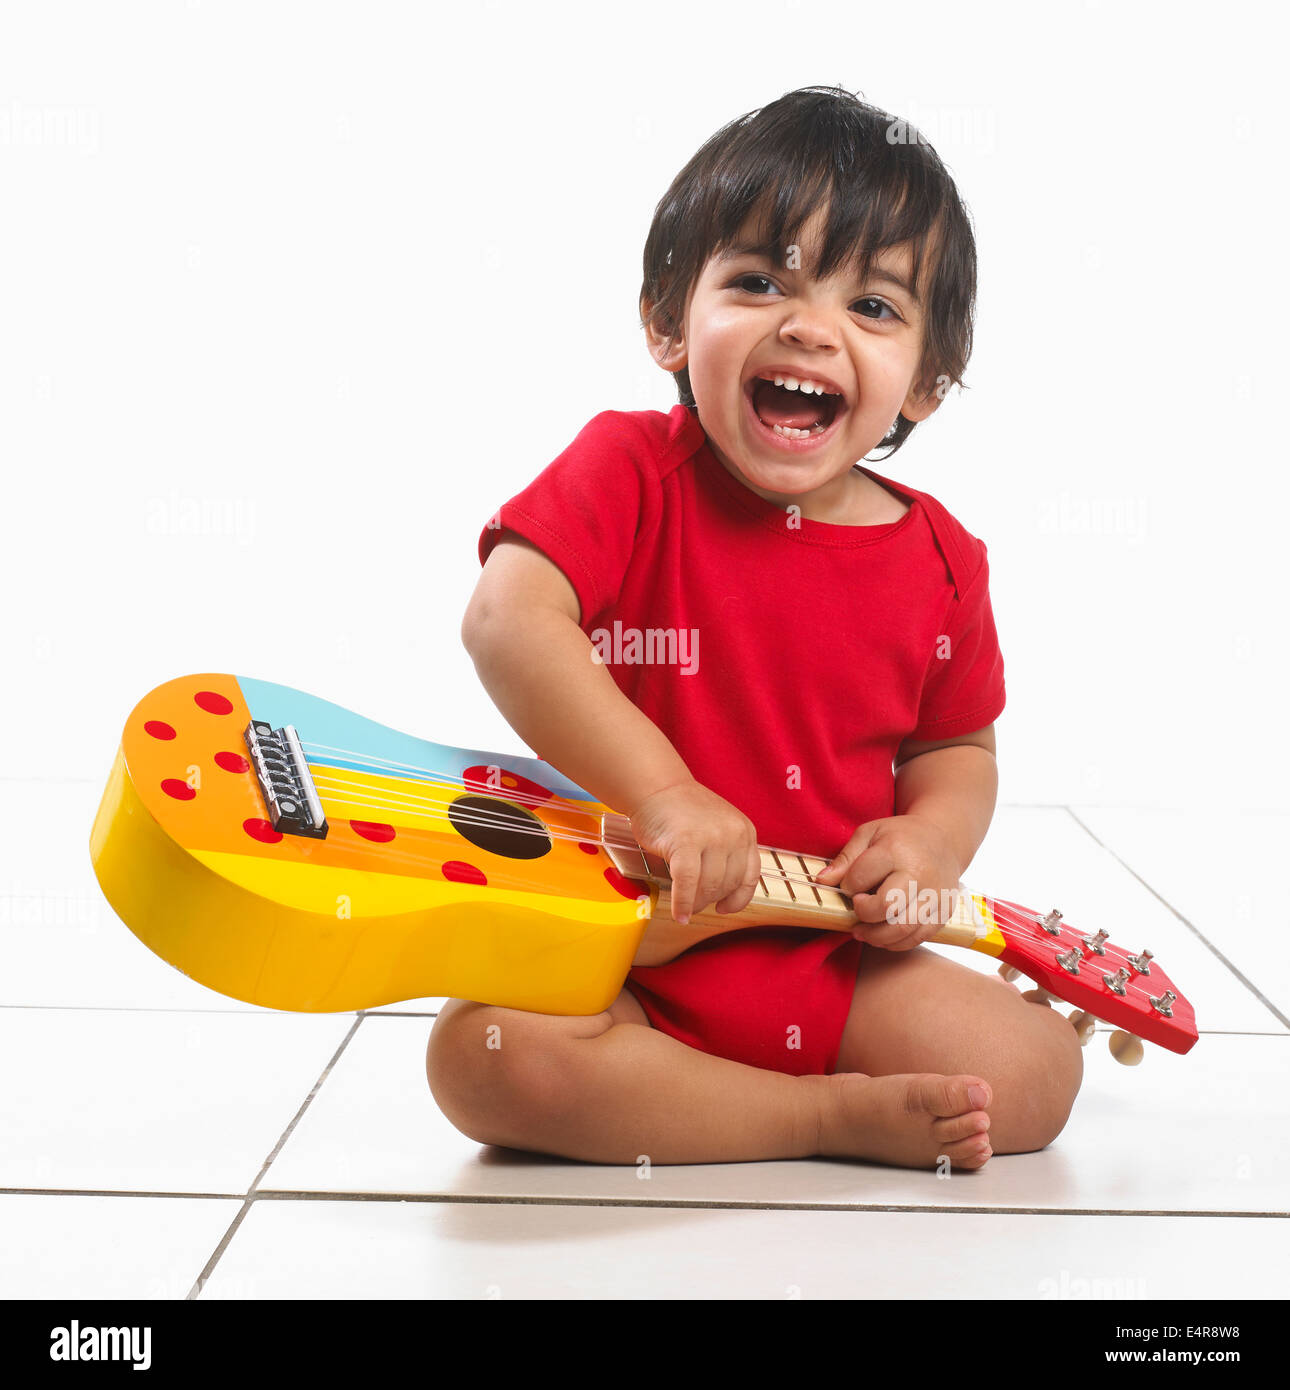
x=160, y=1142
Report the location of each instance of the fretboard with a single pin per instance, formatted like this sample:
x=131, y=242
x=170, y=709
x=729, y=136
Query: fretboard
x=785, y=896
x=784, y=889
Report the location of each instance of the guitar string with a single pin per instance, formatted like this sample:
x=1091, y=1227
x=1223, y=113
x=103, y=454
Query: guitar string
x=784, y=875
x=390, y=768
x=1022, y=924
x=381, y=795
x=482, y=819
x=372, y=760
x=375, y=762
x=478, y=817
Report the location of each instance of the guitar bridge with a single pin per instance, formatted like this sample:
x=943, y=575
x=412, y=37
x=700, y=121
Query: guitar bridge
x=285, y=780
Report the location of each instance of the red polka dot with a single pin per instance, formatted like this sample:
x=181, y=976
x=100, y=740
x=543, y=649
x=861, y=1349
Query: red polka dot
x=212, y=702
x=232, y=762
x=262, y=830
x=588, y=848
x=500, y=781
x=181, y=791
x=628, y=887
x=458, y=871
x=373, y=830
x=158, y=728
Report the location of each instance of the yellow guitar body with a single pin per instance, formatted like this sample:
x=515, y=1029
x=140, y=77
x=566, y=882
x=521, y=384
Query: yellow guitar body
x=393, y=903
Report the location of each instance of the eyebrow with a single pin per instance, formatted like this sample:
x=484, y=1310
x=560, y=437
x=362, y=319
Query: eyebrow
x=767, y=253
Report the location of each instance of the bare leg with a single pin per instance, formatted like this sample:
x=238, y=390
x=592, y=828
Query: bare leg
x=919, y=1011
x=608, y=1088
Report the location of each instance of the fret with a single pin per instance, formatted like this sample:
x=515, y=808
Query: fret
x=830, y=898
x=777, y=887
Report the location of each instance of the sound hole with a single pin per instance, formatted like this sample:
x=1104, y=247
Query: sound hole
x=499, y=827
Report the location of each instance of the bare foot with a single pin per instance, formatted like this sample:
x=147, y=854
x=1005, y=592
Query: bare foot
x=913, y=1121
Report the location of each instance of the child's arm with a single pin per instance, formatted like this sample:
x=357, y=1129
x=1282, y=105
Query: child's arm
x=952, y=783
x=521, y=630
x=945, y=796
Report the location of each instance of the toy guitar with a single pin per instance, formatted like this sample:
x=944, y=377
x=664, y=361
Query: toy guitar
x=288, y=853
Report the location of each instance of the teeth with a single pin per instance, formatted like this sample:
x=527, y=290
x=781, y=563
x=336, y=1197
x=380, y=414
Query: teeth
x=791, y=383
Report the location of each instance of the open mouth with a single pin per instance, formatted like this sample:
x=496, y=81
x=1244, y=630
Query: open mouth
x=803, y=410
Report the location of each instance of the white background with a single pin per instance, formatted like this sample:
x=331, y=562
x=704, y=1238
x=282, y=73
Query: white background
x=293, y=296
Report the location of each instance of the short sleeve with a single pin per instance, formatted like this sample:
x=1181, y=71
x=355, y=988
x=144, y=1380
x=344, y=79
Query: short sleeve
x=583, y=510
x=963, y=690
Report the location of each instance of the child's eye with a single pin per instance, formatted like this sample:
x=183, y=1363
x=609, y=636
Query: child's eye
x=742, y=282
x=881, y=303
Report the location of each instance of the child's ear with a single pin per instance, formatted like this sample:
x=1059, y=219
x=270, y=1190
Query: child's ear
x=668, y=350
x=920, y=404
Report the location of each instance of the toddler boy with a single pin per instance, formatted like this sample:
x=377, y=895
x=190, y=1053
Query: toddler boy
x=809, y=282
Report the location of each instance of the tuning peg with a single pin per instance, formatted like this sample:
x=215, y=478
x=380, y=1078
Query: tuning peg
x=1125, y=1048
x=1039, y=996
x=1069, y=961
x=1142, y=963
x=1083, y=1023
x=1116, y=983
x=1009, y=973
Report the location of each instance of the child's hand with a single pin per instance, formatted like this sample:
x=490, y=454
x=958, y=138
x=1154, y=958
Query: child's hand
x=900, y=874
x=710, y=847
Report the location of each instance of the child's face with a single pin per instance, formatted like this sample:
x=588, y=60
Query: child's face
x=747, y=316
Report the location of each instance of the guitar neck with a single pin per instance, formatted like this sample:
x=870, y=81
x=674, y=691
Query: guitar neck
x=785, y=896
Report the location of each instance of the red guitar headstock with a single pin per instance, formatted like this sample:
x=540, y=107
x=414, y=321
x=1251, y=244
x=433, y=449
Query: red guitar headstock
x=1126, y=989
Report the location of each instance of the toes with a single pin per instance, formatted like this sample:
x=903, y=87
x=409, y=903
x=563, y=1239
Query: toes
x=947, y=1096
x=956, y=1127
x=968, y=1153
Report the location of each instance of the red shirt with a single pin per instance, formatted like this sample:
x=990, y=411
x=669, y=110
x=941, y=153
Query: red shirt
x=786, y=659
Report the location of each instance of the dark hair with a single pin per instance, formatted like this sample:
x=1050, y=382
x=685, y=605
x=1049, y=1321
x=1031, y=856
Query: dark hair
x=883, y=185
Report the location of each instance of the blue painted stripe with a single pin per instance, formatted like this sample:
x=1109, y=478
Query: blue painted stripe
x=321, y=722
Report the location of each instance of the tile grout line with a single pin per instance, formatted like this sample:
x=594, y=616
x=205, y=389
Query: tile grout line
x=661, y=1203
x=1191, y=927
x=249, y=1195
x=119, y=1192
x=712, y=1204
